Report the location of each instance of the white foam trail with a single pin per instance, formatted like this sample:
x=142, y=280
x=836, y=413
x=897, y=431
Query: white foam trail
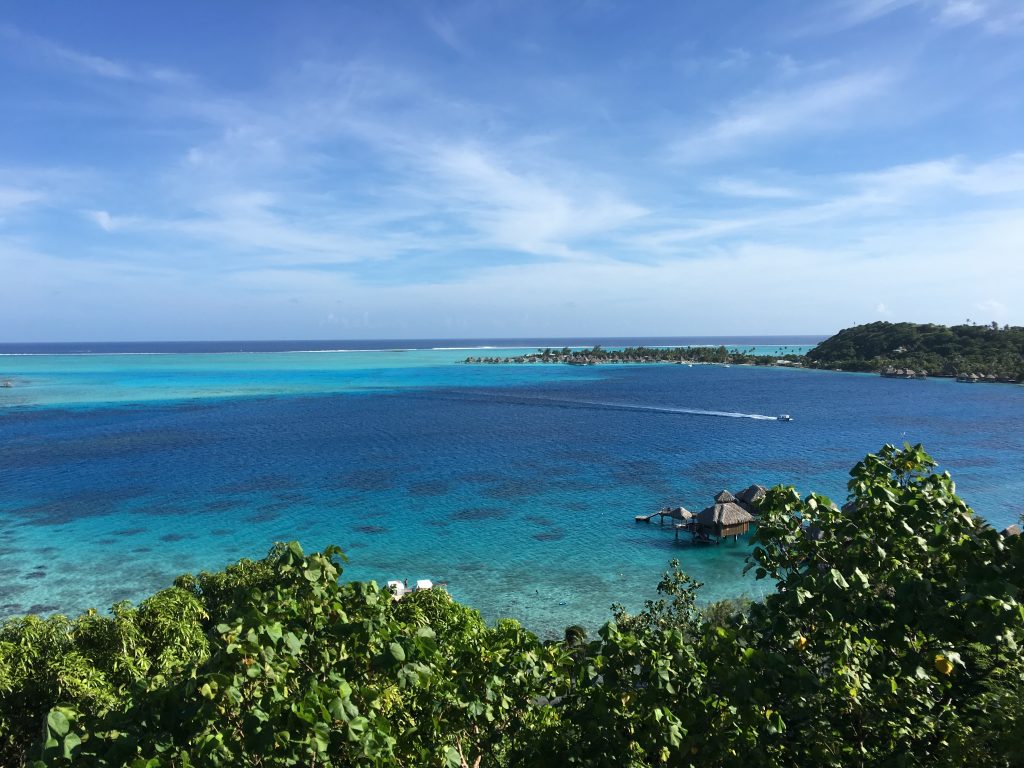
x=693, y=411
x=657, y=409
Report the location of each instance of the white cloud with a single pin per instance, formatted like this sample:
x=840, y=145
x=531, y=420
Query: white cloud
x=87, y=63
x=957, y=12
x=103, y=220
x=996, y=177
x=993, y=16
x=12, y=198
x=525, y=212
x=822, y=106
x=749, y=188
x=445, y=32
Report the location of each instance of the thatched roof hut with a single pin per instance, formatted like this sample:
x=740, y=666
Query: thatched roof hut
x=681, y=513
x=750, y=498
x=1011, y=530
x=724, y=497
x=724, y=518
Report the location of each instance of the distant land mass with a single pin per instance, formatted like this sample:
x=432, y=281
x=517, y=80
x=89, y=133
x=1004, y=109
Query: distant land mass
x=989, y=351
x=903, y=350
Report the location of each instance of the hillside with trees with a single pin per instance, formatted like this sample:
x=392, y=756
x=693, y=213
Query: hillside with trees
x=984, y=350
x=891, y=638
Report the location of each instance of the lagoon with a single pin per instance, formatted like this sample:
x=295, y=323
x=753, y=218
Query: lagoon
x=515, y=484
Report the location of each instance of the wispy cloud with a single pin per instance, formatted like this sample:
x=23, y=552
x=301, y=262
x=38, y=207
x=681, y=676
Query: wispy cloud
x=525, y=212
x=88, y=64
x=822, y=106
x=445, y=31
x=735, y=187
x=993, y=16
x=13, y=198
x=995, y=177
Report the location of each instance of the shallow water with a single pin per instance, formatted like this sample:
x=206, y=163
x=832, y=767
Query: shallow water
x=515, y=484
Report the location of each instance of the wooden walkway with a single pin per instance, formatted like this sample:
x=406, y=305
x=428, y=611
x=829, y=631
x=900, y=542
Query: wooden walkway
x=662, y=513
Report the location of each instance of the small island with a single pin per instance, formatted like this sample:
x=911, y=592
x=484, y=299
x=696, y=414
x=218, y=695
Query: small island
x=598, y=355
x=967, y=352
x=970, y=353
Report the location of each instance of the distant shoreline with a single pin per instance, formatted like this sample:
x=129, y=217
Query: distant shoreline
x=390, y=345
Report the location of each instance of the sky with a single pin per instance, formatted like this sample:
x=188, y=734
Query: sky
x=332, y=170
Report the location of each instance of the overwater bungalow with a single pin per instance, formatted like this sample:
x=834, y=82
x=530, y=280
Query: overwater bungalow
x=723, y=518
x=681, y=514
x=750, y=498
x=1010, y=530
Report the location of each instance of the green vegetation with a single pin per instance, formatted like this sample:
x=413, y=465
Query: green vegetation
x=599, y=355
x=984, y=350
x=891, y=639
x=988, y=351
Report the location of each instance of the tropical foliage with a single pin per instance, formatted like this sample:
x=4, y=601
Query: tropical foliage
x=961, y=349
x=891, y=639
x=599, y=355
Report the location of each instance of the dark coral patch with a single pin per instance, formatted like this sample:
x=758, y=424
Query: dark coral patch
x=549, y=535
x=291, y=497
x=474, y=514
x=510, y=489
x=164, y=510
x=372, y=529
x=128, y=531
x=225, y=504
x=220, y=531
x=79, y=506
x=263, y=516
x=169, y=537
x=429, y=488
x=367, y=480
x=539, y=520
x=263, y=483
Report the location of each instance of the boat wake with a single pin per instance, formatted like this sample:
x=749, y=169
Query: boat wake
x=613, y=406
x=687, y=411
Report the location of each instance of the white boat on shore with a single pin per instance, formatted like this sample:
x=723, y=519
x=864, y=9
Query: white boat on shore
x=401, y=588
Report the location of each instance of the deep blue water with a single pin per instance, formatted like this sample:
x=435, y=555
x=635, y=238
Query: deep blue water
x=515, y=484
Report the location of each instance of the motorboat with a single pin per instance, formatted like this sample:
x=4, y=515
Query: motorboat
x=784, y=417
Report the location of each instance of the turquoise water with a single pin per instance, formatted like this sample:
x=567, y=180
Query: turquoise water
x=516, y=484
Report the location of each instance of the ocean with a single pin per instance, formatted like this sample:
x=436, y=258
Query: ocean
x=122, y=466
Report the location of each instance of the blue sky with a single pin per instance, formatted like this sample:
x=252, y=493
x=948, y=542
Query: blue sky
x=479, y=169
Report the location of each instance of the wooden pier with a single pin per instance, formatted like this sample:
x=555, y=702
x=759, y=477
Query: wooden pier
x=672, y=513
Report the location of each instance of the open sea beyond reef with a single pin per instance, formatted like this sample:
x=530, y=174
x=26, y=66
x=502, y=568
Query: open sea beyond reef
x=516, y=484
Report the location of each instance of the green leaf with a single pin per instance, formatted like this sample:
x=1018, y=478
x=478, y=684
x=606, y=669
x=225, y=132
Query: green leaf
x=397, y=652
x=57, y=723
